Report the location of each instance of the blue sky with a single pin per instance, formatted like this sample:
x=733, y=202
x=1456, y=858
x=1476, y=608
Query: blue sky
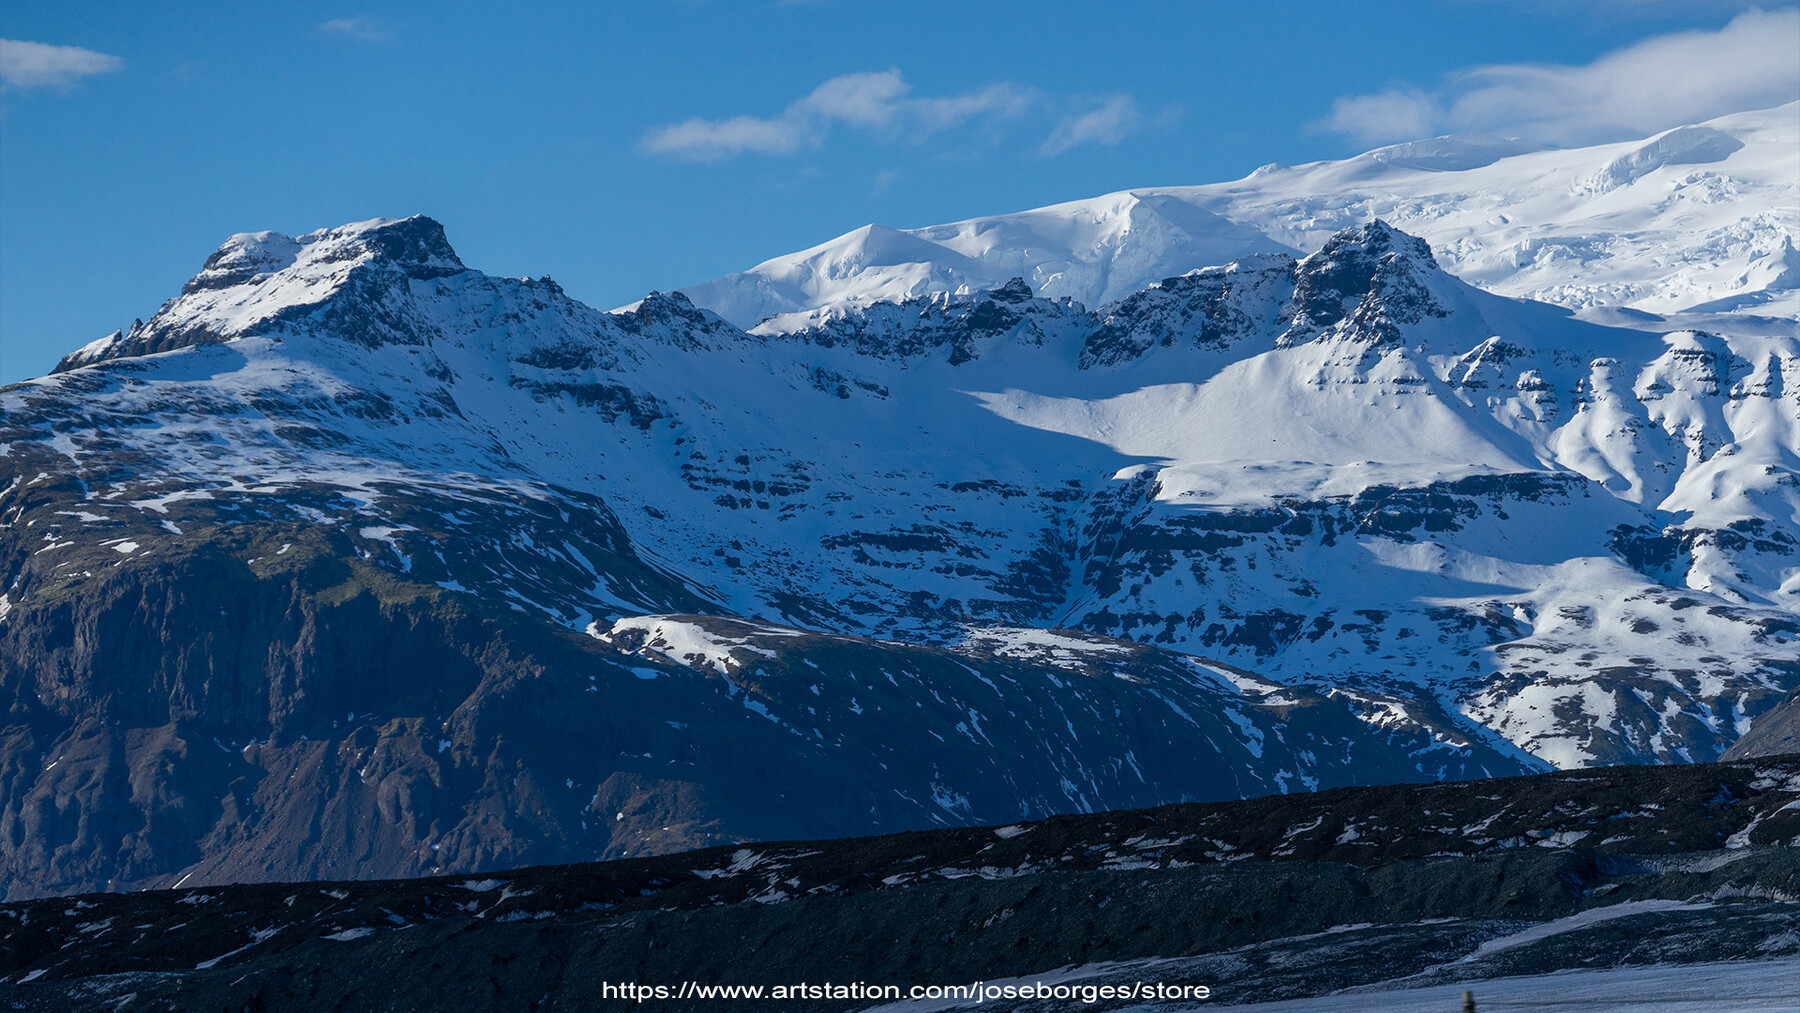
x=635, y=146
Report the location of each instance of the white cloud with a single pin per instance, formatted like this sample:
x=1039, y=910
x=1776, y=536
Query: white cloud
x=879, y=102
x=355, y=29
x=705, y=140
x=1660, y=82
x=1114, y=119
x=862, y=100
x=36, y=65
x=1392, y=115
x=1005, y=100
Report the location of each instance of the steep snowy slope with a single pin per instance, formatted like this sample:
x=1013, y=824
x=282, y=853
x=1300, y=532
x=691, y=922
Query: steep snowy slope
x=1699, y=218
x=1271, y=524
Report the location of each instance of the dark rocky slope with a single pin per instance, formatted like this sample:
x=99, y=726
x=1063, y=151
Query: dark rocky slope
x=1774, y=733
x=255, y=699
x=1226, y=895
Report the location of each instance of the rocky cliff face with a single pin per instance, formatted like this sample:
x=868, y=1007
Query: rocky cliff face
x=254, y=701
x=353, y=561
x=1775, y=733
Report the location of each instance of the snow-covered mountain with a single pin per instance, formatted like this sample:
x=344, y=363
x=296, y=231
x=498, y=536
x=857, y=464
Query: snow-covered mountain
x=1699, y=219
x=447, y=570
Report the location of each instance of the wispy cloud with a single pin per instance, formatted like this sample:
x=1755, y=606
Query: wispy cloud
x=1660, y=82
x=1392, y=115
x=881, y=103
x=1113, y=119
x=354, y=29
x=1614, y=8
x=701, y=140
x=36, y=65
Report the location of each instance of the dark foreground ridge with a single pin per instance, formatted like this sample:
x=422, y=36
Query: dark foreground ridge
x=1265, y=898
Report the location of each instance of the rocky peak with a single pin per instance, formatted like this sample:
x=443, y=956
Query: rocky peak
x=1013, y=292
x=1209, y=308
x=673, y=318
x=241, y=258
x=416, y=245
x=1374, y=276
x=263, y=281
x=960, y=325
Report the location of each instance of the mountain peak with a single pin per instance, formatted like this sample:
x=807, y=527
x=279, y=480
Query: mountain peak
x=256, y=280
x=672, y=315
x=242, y=257
x=1373, y=273
x=1371, y=241
x=1014, y=291
x=417, y=244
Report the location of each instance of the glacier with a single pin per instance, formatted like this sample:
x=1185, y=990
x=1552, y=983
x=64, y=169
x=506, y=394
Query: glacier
x=1700, y=219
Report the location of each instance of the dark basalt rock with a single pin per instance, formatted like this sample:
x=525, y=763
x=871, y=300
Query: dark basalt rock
x=674, y=314
x=612, y=400
x=1370, y=276
x=1217, y=306
x=1775, y=733
x=417, y=246
x=1277, y=897
x=956, y=327
x=1014, y=291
